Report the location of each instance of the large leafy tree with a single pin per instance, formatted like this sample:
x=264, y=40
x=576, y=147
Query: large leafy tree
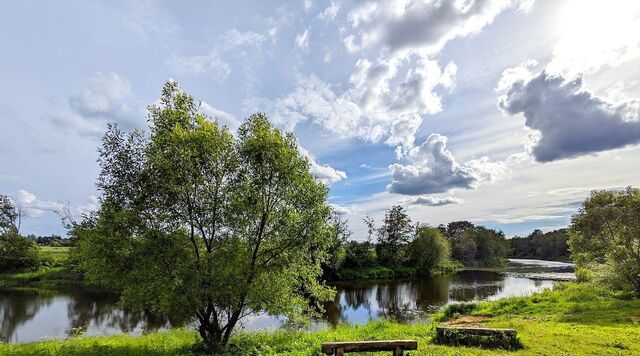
x=605, y=235
x=198, y=223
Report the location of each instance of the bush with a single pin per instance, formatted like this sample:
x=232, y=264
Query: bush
x=454, y=310
x=583, y=275
x=17, y=253
x=453, y=337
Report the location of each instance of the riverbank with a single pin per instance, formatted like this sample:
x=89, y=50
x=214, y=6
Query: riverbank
x=572, y=319
x=44, y=277
x=381, y=272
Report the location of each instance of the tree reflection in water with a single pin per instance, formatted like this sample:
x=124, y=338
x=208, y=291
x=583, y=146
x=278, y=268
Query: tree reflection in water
x=408, y=300
x=93, y=312
x=28, y=315
x=16, y=308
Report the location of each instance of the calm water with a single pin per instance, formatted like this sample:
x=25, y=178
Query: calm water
x=27, y=315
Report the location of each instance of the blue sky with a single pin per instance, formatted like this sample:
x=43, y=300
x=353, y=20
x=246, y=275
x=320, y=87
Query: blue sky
x=503, y=112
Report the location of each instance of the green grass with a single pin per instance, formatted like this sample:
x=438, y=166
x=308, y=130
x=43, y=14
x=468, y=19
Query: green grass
x=53, y=256
x=574, y=319
x=44, y=277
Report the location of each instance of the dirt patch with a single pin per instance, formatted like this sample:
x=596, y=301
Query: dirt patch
x=635, y=319
x=469, y=320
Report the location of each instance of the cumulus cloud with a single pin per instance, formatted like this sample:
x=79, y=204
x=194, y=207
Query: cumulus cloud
x=433, y=169
x=397, y=81
x=416, y=25
x=103, y=101
x=435, y=201
x=371, y=109
x=33, y=207
x=567, y=119
x=323, y=173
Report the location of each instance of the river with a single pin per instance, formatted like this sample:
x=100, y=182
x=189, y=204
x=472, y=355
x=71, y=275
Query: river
x=30, y=315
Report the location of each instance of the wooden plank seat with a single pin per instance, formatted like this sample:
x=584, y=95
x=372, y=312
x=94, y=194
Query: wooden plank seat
x=395, y=346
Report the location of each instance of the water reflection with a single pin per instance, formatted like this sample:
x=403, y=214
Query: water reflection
x=28, y=315
x=414, y=300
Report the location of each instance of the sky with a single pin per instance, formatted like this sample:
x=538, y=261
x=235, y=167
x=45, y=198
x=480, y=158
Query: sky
x=506, y=113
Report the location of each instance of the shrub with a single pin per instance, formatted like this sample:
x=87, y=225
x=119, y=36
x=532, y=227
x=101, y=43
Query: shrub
x=17, y=252
x=454, y=310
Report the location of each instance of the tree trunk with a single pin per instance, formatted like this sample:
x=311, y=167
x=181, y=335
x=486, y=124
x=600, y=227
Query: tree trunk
x=212, y=336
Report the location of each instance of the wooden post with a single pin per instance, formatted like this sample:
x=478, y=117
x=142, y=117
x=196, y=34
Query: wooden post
x=398, y=351
x=340, y=351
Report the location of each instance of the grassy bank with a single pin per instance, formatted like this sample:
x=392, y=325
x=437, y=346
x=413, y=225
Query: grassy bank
x=44, y=277
x=52, y=272
x=574, y=319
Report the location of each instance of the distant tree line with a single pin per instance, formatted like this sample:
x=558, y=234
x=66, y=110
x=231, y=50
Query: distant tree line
x=551, y=245
x=405, y=247
x=52, y=240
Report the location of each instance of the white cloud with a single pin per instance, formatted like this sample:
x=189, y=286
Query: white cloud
x=413, y=26
x=222, y=117
x=101, y=102
x=323, y=173
x=302, y=40
x=567, y=120
x=330, y=13
x=340, y=210
x=92, y=205
x=216, y=62
x=32, y=207
x=433, y=169
x=371, y=109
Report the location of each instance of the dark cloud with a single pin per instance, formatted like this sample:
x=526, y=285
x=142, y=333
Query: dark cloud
x=570, y=120
x=435, y=201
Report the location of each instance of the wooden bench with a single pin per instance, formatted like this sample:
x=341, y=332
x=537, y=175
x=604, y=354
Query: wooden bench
x=469, y=336
x=396, y=346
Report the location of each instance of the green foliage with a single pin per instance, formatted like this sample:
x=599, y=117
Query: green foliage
x=375, y=272
x=452, y=311
x=605, y=237
x=197, y=223
x=545, y=246
x=476, y=245
x=395, y=232
x=429, y=250
x=500, y=340
x=17, y=252
x=359, y=254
